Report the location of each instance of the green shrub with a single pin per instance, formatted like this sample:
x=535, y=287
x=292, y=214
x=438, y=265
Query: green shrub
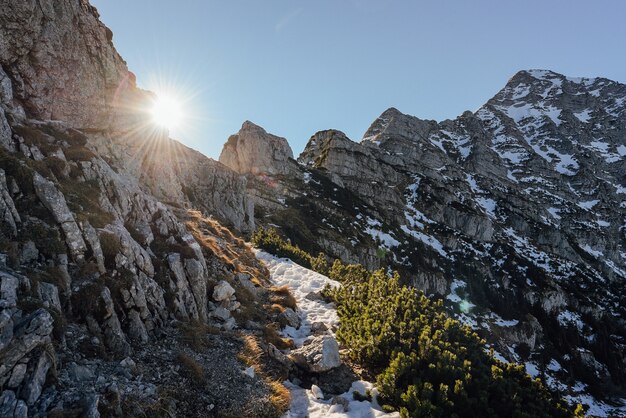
x=319, y=264
x=269, y=240
x=428, y=364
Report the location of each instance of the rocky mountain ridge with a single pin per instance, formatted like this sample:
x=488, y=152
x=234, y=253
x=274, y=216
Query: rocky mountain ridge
x=513, y=213
x=126, y=288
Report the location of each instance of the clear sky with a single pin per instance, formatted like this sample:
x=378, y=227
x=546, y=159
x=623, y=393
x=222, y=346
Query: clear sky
x=299, y=66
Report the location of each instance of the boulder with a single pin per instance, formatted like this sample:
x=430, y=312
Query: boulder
x=223, y=291
x=319, y=354
x=289, y=317
x=35, y=380
x=32, y=331
x=55, y=202
x=49, y=294
x=11, y=407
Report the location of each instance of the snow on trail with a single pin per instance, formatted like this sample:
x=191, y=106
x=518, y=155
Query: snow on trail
x=301, y=282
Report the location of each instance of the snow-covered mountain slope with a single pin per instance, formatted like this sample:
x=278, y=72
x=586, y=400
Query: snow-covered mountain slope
x=515, y=214
x=305, y=403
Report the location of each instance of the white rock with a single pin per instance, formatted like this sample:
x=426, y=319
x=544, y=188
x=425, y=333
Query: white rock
x=317, y=392
x=249, y=371
x=319, y=355
x=223, y=291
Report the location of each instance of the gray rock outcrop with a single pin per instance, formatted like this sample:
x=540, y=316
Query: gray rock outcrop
x=319, y=354
x=254, y=151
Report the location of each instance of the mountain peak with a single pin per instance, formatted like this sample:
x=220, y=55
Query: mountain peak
x=251, y=127
x=392, y=122
x=254, y=151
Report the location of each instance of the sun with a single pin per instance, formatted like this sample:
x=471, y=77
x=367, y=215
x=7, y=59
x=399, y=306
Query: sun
x=166, y=111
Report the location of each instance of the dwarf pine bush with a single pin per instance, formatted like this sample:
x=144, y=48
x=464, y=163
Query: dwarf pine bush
x=428, y=364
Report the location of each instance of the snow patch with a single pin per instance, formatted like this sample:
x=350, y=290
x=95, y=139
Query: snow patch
x=301, y=282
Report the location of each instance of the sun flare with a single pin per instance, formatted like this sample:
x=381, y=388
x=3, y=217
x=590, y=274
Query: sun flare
x=166, y=112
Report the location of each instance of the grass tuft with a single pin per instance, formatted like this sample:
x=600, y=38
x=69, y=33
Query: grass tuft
x=282, y=296
x=192, y=368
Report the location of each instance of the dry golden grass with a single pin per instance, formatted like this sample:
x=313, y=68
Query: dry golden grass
x=277, y=309
x=220, y=242
x=282, y=296
x=191, y=366
x=271, y=335
x=280, y=397
x=252, y=355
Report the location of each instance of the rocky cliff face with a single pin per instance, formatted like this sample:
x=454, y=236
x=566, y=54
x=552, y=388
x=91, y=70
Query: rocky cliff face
x=109, y=282
x=39, y=43
x=514, y=214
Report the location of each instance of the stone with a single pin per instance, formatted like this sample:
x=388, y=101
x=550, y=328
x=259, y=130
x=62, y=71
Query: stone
x=21, y=409
x=90, y=409
x=5, y=132
x=8, y=212
x=34, y=382
x=8, y=290
x=221, y=313
x=223, y=291
x=249, y=371
x=32, y=331
x=6, y=329
x=93, y=240
x=233, y=305
x=197, y=277
x=254, y=151
x=314, y=296
x=184, y=301
x=343, y=402
x=56, y=204
x=10, y=406
x=318, y=328
x=317, y=392
x=80, y=373
x=128, y=363
x=136, y=328
x=17, y=376
x=29, y=253
x=49, y=293
x=288, y=317
x=278, y=355
x=319, y=354
x=114, y=337
x=229, y=324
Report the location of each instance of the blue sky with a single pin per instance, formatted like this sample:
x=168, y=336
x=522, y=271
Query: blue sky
x=299, y=66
